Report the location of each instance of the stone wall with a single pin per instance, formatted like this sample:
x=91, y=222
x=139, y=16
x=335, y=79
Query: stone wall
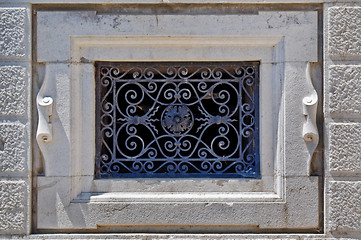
x=15, y=123
x=342, y=118
x=342, y=130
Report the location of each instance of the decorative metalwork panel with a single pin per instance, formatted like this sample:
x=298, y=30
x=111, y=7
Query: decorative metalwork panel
x=177, y=120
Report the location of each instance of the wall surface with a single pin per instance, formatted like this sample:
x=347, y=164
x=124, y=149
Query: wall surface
x=340, y=43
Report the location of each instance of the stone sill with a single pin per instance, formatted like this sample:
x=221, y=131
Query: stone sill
x=168, y=1
x=173, y=236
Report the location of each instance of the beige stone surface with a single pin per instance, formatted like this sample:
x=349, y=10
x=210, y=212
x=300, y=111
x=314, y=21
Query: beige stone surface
x=344, y=201
x=12, y=32
x=12, y=147
x=12, y=90
x=179, y=236
x=298, y=27
x=79, y=38
x=345, y=147
x=344, y=90
x=152, y=236
x=344, y=31
x=12, y=205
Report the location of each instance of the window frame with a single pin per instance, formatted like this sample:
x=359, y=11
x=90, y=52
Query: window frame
x=78, y=201
x=269, y=46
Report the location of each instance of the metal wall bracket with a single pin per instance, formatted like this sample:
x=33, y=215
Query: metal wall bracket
x=310, y=131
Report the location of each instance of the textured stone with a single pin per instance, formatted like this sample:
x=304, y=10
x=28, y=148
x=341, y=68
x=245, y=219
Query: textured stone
x=12, y=32
x=12, y=205
x=12, y=147
x=344, y=31
x=345, y=206
x=12, y=90
x=344, y=89
x=345, y=147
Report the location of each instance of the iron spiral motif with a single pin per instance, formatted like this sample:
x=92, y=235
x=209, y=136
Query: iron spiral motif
x=177, y=120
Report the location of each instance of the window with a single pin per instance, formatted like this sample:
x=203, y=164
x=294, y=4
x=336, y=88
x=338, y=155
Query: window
x=177, y=119
x=283, y=198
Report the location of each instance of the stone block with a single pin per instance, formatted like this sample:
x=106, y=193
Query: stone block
x=12, y=90
x=299, y=29
x=12, y=147
x=12, y=205
x=345, y=147
x=12, y=32
x=344, y=31
x=344, y=206
x=344, y=89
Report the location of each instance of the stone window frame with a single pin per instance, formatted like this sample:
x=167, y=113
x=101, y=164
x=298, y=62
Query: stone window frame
x=77, y=188
x=83, y=47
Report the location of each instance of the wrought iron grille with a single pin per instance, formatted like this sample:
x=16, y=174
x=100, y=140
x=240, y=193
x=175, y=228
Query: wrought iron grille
x=177, y=120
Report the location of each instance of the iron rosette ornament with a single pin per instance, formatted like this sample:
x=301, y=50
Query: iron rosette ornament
x=177, y=119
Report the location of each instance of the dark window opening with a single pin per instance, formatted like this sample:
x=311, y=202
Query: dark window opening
x=179, y=120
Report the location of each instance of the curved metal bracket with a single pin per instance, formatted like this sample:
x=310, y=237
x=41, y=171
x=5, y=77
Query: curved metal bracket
x=44, y=133
x=310, y=131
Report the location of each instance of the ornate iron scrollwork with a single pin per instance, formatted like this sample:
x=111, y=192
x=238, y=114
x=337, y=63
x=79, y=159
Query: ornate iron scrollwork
x=177, y=120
